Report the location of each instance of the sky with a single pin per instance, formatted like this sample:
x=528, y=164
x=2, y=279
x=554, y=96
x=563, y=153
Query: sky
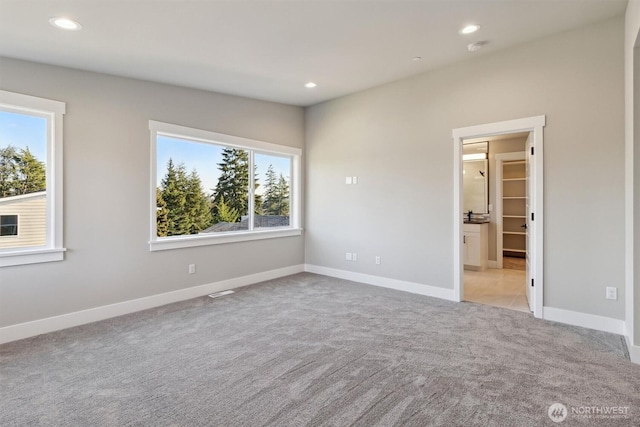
x=204, y=158
x=22, y=130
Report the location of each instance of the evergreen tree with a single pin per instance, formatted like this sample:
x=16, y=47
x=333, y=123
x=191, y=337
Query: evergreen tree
x=196, y=204
x=162, y=219
x=186, y=204
x=225, y=213
x=276, y=196
x=283, y=196
x=233, y=183
x=257, y=198
x=20, y=172
x=268, y=205
x=175, y=199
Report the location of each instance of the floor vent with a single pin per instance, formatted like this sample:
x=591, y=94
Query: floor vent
x=220, y=294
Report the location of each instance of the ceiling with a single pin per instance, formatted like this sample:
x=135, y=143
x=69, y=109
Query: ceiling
x=269, y=49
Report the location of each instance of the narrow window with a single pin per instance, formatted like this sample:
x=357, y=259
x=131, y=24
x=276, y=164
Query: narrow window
x=30, y=179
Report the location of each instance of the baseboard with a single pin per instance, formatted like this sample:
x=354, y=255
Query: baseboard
x=591, y=321
x=400, y=285
x=634, y=351
x=492, y=264
x=56, y=323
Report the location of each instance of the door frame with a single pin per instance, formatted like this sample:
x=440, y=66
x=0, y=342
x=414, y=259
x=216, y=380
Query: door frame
x=535, y=125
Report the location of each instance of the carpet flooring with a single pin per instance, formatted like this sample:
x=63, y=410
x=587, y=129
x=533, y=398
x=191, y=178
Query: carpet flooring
x=308, y=350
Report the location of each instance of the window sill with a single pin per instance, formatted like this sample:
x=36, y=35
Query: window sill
x=31, y=256
x=204, y=240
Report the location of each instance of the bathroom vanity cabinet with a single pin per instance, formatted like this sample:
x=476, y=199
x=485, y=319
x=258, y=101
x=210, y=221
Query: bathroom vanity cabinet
x=476, y=245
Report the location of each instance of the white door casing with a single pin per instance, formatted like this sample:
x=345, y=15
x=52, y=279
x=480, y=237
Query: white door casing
x=529, y=225
x=534, y=125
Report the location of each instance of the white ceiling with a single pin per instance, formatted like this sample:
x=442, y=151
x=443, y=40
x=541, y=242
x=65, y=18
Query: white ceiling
x=270, y=49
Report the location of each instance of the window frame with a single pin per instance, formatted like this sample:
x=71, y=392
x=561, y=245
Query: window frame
x=252, y=146
x=17, y=226
x=53, y=111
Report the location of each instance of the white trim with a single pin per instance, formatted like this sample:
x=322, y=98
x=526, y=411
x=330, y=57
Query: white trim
x=56, y=323
x=200, y=135
x=31, y=256
x=529, y=124
x=220, y=238
x=591, y=321
x=634, y=350
x=500, y=159
x=252, y=145
x=492, y=264
x=53, y=111
x=31, y=104
x=384, y=282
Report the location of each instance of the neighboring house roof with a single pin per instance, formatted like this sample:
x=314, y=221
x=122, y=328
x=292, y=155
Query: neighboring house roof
x=260, y=221
x=21, y=197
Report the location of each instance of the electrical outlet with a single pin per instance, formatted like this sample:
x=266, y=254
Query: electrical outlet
x=377, y=260
x=192, y=269
x=354, y=179
x=612, y=293
x=348, y=256
x=354, y=257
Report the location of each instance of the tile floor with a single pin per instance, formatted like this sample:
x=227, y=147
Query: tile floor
x=498, y=287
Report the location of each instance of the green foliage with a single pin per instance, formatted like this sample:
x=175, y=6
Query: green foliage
x=20, y=172
x=233, y=182
x=187, y=210
x=226, y=213
x=162, y=214
x=276, y=195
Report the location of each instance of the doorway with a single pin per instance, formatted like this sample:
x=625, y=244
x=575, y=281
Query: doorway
x=532, y=213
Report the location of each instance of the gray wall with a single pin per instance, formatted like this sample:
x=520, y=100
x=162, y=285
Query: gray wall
x=397, y=139
x=106, y=192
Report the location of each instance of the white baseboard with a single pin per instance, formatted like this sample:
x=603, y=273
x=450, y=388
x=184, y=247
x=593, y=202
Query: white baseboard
x=56, y=323
x=415, y=288
x=591, y=321
x=634, y=351
x=492, y=264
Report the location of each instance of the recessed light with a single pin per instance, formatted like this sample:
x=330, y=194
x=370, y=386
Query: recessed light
x=65, y=24
x=416, y=58
x=310, y=85
x=476, y=46
x=468, y=29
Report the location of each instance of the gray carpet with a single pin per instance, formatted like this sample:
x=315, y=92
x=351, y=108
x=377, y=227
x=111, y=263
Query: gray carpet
x=308, y=350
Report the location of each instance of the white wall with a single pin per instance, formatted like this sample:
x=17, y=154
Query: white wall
x=106, y=192
x=632, y=169
x=397, y=139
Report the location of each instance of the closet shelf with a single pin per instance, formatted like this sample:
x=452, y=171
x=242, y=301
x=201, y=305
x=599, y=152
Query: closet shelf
x=519, y=233
x=514, y=216
x=514, y=179
x=522, y=251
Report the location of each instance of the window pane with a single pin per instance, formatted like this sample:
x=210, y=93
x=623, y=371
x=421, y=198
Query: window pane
x=8, y=225
x=23, y=182
x=200, y=187
x=273, y=179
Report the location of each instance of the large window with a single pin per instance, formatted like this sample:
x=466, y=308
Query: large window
x=30, y=179
x=210, y=188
